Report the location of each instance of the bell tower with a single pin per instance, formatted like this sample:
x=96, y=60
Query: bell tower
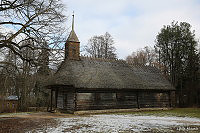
x=72, y=45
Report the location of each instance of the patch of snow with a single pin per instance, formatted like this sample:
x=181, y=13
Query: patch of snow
x=121, y=123
x=12, y=97
x=14, y=114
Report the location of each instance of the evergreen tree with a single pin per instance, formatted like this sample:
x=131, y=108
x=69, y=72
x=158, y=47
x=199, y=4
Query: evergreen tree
x=177, y=48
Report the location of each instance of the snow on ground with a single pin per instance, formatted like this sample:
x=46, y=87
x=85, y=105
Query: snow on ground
x=13, y=114
x=126, y=123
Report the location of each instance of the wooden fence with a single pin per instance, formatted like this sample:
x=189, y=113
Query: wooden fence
x=8, y=105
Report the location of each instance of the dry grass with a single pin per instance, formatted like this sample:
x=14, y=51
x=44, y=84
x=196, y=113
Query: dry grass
x=180, y=112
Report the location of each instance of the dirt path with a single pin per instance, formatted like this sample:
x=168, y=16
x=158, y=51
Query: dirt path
x=21, y=125
x=23, y=122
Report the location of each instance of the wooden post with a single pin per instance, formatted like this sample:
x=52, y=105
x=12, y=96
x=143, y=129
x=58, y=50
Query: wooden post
x=75, y=101
x=51, y=99
x=169, y=95
x=138, y=104
x=56, y=98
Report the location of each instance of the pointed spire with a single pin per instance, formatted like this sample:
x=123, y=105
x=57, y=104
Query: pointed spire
x=72, y=36
x=73, y=21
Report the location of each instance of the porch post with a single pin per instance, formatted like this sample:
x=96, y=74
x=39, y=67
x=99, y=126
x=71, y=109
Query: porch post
x=56, y=97
x=169, y=95
x=51, y=99
x=138, y=104
x=75, y=101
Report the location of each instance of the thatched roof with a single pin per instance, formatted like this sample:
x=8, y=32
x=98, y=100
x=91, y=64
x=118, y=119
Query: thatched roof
x=91, y=73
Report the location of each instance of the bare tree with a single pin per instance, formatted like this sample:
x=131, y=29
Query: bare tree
x=101, y=47
x=31, y=33
x=36, y=20
x=145, y=56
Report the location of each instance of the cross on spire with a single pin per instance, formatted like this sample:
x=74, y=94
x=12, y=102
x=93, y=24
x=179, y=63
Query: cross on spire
x=73, y=21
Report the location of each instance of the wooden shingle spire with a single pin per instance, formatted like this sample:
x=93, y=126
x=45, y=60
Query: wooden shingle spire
x=72, y=46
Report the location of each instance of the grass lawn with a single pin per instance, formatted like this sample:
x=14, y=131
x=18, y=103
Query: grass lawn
x=179, y=112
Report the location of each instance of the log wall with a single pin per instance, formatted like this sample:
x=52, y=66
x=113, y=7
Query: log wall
x=69, y=101
x=60, y=100
x=92, y=101
x=150, y=100
x=66, y=100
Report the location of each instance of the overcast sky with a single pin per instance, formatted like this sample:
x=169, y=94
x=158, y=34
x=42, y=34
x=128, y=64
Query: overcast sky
x=132, y=23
